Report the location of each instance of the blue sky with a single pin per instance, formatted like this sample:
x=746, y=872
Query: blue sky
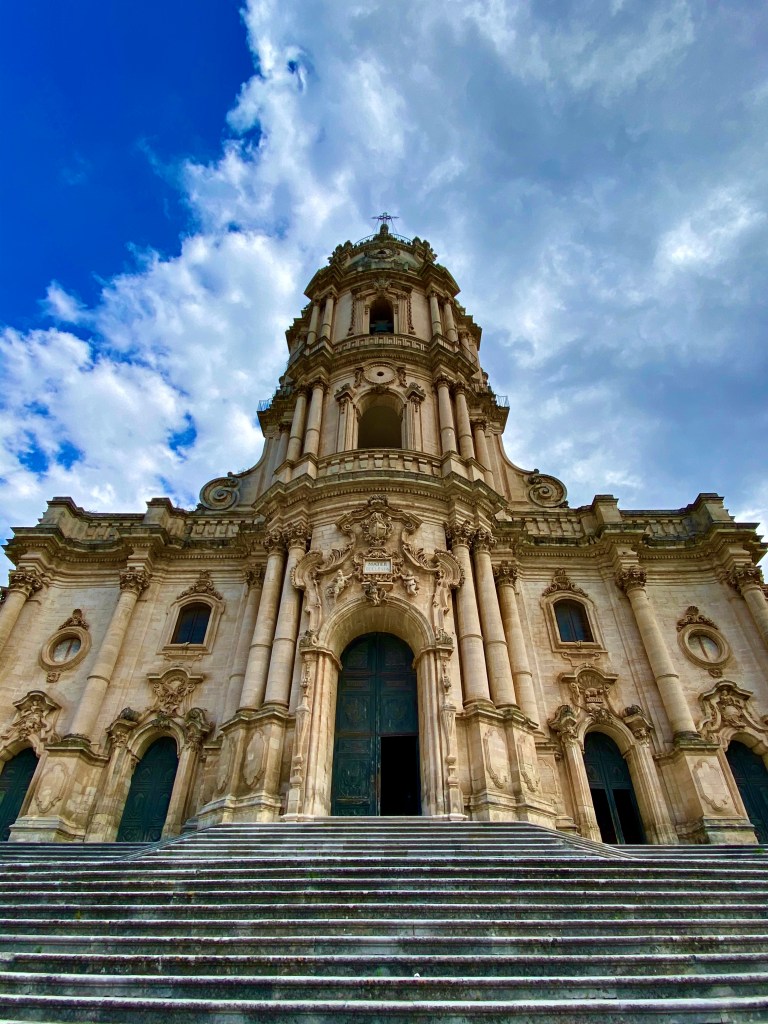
x=595, y=175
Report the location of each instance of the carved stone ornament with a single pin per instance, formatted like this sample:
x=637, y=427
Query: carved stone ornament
x=255, y=759
x=51, y=788
x=196, y=729
x=134, y=579
x=545, y=491
x=254, y=576
x=742, y=576
x=728, y=710
x=637, y=723
x=693, y=617
x=33, y=722
x=171, y=688
x=564, y=724
x=562, y=583
x=631, y=578
x=711, y=785
x=591, y=691
x=75, y=619
x=506, y=574
x=221, y=494
x=494, y=755
x=26, y=579
x=528, y=763
x=202, y=585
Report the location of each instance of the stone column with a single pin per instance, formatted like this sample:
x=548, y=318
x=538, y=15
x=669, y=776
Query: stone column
x=434, y=309
x=325, y=331
x=314, y=316
x=22, y=583
x=748, y=580
x=483, y=454
x=632, y=581
x=282, y=445
x=297, y=426
x=189, y=755
x=254, y=578
x=506, y=578
x=474, y=672
x=315, y=418
x=450, y=325
x=133, y=581
x=650, y=798
x=564, y=725
x=287, y=628
x=496, y=655
x=445, y=413
x=255, y=679
x=466, y=445
x=414, y=440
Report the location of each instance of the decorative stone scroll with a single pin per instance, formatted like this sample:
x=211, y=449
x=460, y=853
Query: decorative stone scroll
x=592, y=702
x=33, y=722
x=545, y=491
x=221, y=494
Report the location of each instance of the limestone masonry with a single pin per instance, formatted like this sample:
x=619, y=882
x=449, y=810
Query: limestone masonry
x=385, y=616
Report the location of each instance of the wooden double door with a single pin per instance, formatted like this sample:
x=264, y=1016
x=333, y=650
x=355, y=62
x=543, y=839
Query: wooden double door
x=751, y=777
x=376, y=745
x=613, y=795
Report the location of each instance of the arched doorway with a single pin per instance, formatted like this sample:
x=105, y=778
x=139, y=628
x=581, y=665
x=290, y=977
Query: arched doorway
x=150, y=794
x=376, y=743
x=14, y=783
x=752, y=779
x=613, y=795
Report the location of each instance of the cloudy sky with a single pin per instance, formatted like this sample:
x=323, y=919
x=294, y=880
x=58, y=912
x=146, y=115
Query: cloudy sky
x=593, y=174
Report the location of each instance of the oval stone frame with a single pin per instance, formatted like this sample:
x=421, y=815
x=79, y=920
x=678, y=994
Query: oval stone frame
x=684, y=638
x=65, y=633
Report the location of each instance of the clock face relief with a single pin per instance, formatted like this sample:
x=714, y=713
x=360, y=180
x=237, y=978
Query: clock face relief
x=373, y=566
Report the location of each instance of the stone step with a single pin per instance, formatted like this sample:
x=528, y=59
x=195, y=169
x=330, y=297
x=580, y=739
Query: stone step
x=388, y=965
x=300, y=987
x=118, y=1010
x=204, y=891
x=472, y=928
x=257, y=942
x=188, y=906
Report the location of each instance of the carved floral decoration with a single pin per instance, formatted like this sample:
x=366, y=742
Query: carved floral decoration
x=202, y=585
x=592, y=703
x=728, y=710
x=33, y=722
x=172, y=688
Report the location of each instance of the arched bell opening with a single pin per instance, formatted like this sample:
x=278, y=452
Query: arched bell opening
x=149, y=796
x=14, y=783
x=376, y=764
x=751, y=777
x=381, y=317
x=381, y=424
x=612, y=791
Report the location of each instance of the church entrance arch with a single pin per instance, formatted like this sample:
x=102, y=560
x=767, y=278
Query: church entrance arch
x=613, y=795
x=376, y=743
x=751, y=777
x=14, y=783
x=150, y=794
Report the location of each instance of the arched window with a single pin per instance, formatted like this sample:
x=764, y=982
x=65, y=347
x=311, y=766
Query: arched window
x=192, y=624
x=572, y=622
x=382, y=319
x=380, y=427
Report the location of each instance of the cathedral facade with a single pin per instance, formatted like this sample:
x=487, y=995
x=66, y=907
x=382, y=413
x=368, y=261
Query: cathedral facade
x=385, y=616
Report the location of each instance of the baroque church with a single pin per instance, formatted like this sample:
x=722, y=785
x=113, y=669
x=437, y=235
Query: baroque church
x=385, y=616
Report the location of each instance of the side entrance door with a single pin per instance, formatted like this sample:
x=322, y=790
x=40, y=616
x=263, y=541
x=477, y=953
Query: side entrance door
x=150, y=794
x=752, y=779
x=613, y=795
x=376, y=744
x=14, y=783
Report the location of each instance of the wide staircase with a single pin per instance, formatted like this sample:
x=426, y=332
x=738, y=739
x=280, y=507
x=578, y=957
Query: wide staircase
x=385, y=919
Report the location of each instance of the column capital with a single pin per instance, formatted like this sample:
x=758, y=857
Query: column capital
x=274, y=541
x=631, y=578
x=483, y=540
x=318, y=382
x=459, y=533
x=134, y=580
x=743, y=576
x=480, y=423
x=506, y=574
x=460, y=387
x=254, y=575
x=565, y=724
x=297, y=535
x=26, y=579
x=442, y=380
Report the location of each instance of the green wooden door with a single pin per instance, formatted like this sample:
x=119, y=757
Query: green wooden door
x=376, y=745
x=752, y=779
x=14, y=783
x=150, y=794
x=613, y=795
